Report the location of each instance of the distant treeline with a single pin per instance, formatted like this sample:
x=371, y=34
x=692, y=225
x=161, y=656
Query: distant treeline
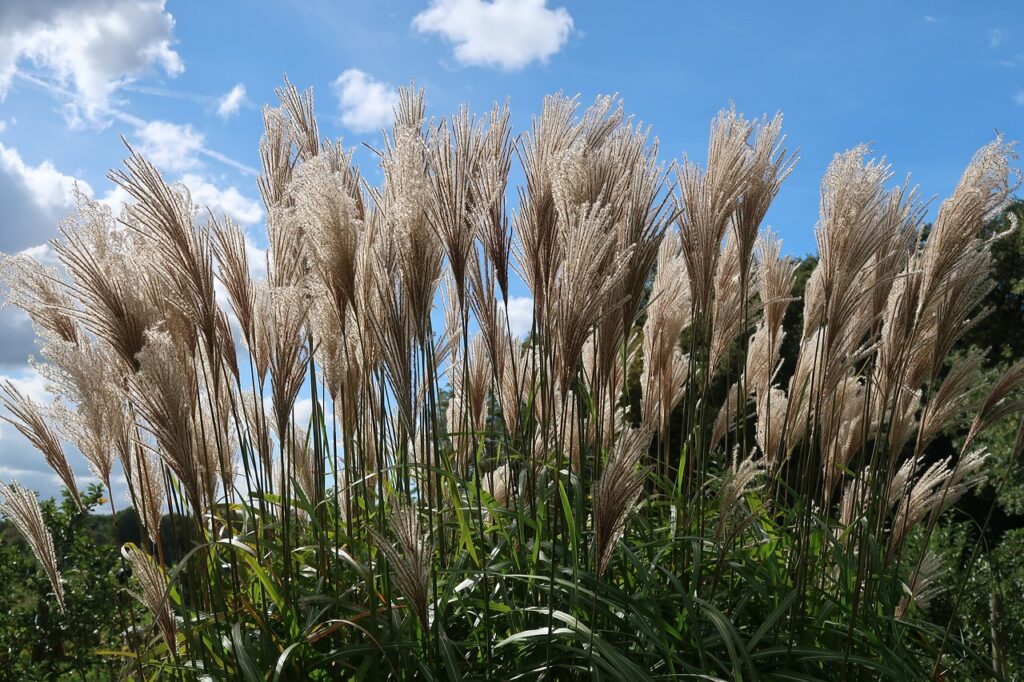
x=176, y=532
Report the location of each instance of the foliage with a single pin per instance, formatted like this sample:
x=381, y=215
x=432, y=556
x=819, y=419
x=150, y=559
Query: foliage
x=36, y=641
x=1001, y=335
x=984, y=542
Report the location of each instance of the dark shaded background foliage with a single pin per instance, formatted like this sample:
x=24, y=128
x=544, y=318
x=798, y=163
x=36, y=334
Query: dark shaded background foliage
x=36, y=641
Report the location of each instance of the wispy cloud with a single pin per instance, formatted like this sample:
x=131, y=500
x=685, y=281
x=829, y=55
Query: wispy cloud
x=228, y=161
x=62, y=94
x=1018, y=97
x=172, y=94
x=996, y=37
x=505, y=33
x=225, y=105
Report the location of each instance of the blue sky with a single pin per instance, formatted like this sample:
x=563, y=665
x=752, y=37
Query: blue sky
x=924, y=83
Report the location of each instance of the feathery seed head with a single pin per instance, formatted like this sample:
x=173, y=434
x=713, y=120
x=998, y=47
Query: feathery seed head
x=153, y=596
x=409, y=558
x=29, y=419
x=616, y=492
x=22, y=509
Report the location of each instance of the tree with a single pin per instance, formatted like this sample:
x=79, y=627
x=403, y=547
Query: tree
x=37, y=642
x=992, y=518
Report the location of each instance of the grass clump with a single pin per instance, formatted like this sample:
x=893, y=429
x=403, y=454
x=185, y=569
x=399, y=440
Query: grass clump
x=644, y=486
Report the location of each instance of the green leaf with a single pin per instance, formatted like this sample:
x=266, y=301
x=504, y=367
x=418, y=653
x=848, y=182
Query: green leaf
x=245, y=662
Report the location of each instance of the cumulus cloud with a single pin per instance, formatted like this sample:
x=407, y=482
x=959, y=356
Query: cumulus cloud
x=520, y=315
x=31, y=384
x=19, y=339
x=366, y=104
x=206, y=194
x=169, y=146
x=91, y=46
x=505, y=33
x=49, y=187
x=116, y=198
x=16, y=331
x=303, y=411
x=257, y=259
x=222, y=200
x=22, y=462
x=34, y=199
x=229, y=104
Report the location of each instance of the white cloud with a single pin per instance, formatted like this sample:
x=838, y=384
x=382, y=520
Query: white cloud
x=44, y=253
x=996, y=37
x=205, y=195
x=303, y=411
x=34, y=199
x=505, y=33
x=176, y=146
x=230, y=103
x=227, y=200
x=257, y=258
x=929, y=19
x=520, y=315
x=366, y=104
x=170, y=146
x=92, y=46
x=21, y=461
x=1018, y=98
x=31, y=384
x=19, y=339
x=49, y=187
x=116, y=198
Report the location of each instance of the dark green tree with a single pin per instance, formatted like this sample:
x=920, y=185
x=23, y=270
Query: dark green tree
x=37, y=642
x=990, y=529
